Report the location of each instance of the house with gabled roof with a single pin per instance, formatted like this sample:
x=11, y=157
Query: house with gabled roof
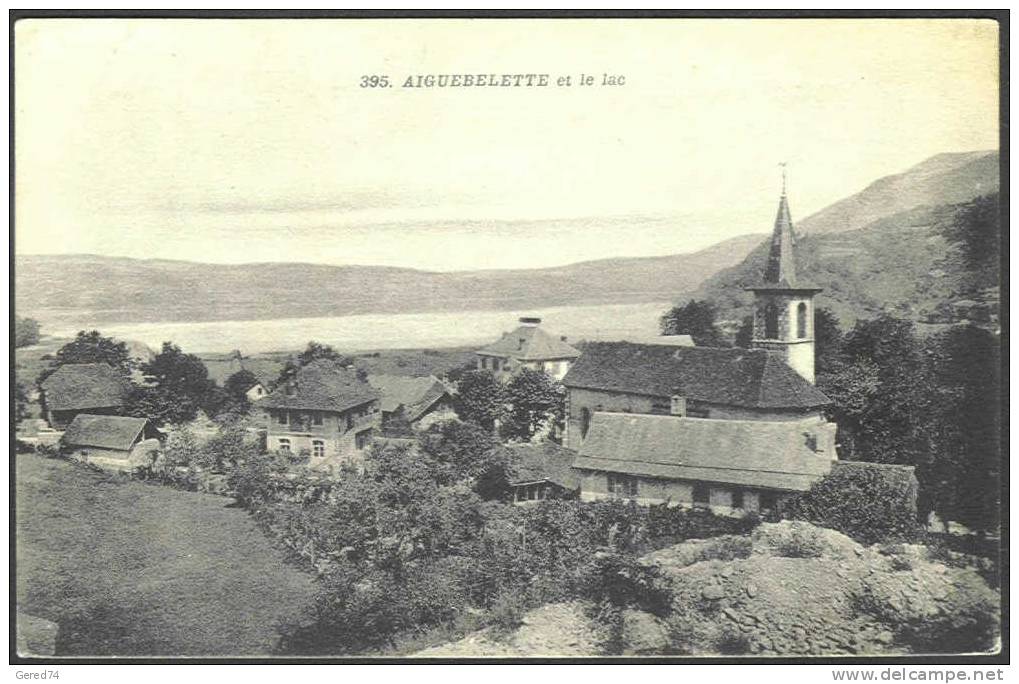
x=111, y=442
x=528, y=346
x=421, y=401
x=728, y=428
x=325, y=410
x=93, y=388
x=540, y=471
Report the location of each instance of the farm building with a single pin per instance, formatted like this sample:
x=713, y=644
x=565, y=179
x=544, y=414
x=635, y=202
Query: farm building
x=325, y=410
x=92, y=388
x=421, y=401
x=111, y=442
x=527, y=347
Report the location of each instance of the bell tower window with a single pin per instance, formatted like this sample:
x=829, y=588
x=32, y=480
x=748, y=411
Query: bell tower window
x=770, y=322
x=801, y=320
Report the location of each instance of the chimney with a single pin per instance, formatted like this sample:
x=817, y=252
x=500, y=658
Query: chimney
x=562, y=338
x=292, y=388
x=530, y=321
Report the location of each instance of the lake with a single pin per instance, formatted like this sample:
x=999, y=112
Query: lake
x=387, y=331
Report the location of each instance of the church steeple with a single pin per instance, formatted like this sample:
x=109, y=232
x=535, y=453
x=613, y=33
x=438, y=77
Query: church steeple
x=783, y=303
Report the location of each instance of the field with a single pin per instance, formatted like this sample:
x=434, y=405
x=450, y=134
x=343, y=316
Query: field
x=131, y=569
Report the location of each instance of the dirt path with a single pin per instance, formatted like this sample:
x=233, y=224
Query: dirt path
x=131, y=569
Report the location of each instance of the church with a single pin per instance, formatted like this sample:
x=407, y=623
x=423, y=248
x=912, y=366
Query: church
x=730, y=429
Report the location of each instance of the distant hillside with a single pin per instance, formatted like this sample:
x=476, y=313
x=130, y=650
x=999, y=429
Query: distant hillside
x=114, y=290
x=942, y=179
x=922, y=264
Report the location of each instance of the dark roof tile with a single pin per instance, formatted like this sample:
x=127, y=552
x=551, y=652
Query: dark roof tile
x=103, y=432
x=85, y=386
x=322, y=386
x=751, y=378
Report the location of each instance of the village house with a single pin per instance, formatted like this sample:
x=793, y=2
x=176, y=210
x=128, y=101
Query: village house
x=265, y=372
x=734, y=429
x=527, y=347
x=541, y=471
x=93, y=388
x=421, y=401
x=112, y=442
x=324, y=410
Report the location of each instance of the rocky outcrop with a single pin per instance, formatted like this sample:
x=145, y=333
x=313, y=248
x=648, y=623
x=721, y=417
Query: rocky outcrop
x=788, y=589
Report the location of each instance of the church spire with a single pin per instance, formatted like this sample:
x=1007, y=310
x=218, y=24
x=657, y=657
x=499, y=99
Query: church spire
x=781, y=267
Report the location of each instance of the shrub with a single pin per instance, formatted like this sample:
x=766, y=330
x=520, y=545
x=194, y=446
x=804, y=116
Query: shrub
x=507, y=611
x=726, y=549
x=866, y=501
x=801, y=543
x=620, y=580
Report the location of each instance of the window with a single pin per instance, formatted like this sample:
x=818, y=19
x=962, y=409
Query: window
x=316, y=418
x=661, y=408
x=318, y=448
x=701, y=495
x=284, y=446
x=623, y=485
x=350, y=421
x=737, y=498
x=770, y=322
x=697, y=412
x=801, y=320
x=585, y=421
x=282, y=417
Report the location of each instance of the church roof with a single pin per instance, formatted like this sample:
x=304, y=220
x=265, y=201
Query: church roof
x=530, y=343
x=780, y=270
x=788, y=455
x=752, y=378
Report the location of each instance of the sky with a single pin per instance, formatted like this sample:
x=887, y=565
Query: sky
x=248, y=141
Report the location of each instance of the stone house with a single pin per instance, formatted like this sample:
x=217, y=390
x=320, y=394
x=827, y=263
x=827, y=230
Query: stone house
x=422, y=401
x=111, y=442
x=325, y=410
x=92, y=388
x=725, y=465
x=527, y=347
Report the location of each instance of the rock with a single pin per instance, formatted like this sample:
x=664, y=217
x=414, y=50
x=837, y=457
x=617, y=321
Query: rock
x=751, y=589
x=713, y=592
x=731, y=614
x=727, y=571
x=643, y=633
x=36, y=636
x=884, y=637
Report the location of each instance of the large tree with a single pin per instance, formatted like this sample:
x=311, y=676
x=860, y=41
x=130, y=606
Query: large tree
x=26, y=331
x=965, y=426
x=537, y=405
x=177, y=385
x=92, y=347
x=697, y=319
x=480, y=398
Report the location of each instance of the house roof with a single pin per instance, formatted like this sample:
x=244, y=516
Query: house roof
x=322, y=386
x=753, y=378
x=530, y=343
x=415, y=394
x=103, y=432
x=546, y=462
x=85, y=386
x=767, y=454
